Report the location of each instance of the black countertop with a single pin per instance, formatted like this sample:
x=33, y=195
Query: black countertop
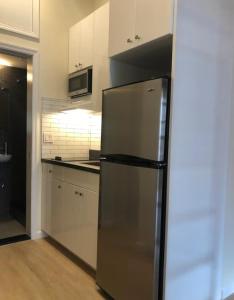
x=79, y=165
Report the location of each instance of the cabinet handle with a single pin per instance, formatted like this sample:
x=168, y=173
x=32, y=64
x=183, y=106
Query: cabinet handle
x=137, y=37
x=78, y=193
x=129, y=40
x=59, y=187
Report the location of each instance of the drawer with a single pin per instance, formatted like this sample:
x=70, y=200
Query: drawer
x=56, y=171
x=82, y=179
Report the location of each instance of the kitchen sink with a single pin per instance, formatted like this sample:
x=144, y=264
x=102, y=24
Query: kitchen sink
x=92, y=163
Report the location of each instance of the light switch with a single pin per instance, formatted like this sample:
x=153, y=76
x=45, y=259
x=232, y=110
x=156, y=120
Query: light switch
x=47, y=138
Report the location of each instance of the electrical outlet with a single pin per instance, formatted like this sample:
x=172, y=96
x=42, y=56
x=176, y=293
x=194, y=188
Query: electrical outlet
x=47, y=138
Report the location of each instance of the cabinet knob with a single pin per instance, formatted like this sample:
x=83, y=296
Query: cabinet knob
x=50, y=171
x=76, y=66
x=78, y=193
x=137, y=37
x=129, y=40
x=59, y=187
x=80, y=65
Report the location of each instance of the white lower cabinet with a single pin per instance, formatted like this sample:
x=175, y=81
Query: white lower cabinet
x=46, y=197
x=80, y=222
x=57, y=210
x=70, y=211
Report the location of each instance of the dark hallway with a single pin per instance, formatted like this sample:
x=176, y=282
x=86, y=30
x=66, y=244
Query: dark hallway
x=13, y=140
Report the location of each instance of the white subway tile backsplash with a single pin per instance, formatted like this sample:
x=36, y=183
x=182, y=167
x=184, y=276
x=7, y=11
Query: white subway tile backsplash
x=73, y=132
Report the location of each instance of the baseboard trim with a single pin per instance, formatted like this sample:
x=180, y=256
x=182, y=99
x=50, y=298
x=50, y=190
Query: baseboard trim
x=83, y=265
x=38, y=235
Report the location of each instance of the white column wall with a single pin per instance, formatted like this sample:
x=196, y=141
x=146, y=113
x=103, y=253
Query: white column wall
x=199, y=144
x=228, y=254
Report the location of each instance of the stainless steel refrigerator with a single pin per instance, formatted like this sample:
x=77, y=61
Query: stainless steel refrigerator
x=132, y=193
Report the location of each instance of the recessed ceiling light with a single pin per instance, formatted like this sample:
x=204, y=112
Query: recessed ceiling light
x=5, y=62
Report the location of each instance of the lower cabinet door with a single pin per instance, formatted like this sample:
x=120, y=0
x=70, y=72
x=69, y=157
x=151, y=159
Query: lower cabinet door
x=44, y=225
x=88, y=228
x=57, y=210
x=46, y=198
x=81, y=222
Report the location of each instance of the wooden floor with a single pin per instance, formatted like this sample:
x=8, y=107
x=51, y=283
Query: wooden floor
x=36, y=270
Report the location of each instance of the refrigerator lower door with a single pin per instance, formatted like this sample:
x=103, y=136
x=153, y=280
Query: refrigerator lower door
x=129, y=231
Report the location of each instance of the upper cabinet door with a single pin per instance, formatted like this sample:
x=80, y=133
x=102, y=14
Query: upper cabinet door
x=122, y=25
x=74, y=47
x=81, y=44
x=87, y=25
x=21, y=17
x=136, y=22
x=101, y=64
x=153, y=19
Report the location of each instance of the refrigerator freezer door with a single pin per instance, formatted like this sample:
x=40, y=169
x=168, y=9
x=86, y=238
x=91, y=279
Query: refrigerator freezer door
x=129, y=231
x=134, y=120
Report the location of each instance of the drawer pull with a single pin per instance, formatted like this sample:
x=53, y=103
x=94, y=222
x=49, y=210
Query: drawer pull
x=137, y=37
x=78, y=193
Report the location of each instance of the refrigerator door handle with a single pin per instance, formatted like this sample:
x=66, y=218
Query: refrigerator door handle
x=133, y=161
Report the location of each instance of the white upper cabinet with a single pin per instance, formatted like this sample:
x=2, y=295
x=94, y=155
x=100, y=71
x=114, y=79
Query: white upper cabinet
x=21, y=18
x=153, y=19
x=101, y=64
x=81, y=44
x=122, y=25
x=88, y=46
x=86, y=57
x=74, y=47
x=136, y=22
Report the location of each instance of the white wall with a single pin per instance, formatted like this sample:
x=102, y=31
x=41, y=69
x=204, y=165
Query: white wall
x=98, y=3
x=73, y=131
x=228, y=255
x=201, y=98
x=56, y=17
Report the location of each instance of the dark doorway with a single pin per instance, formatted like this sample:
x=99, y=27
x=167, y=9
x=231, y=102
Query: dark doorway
x=13, y=143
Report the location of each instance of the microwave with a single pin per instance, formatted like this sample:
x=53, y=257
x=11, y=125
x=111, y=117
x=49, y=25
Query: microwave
x=80, y=83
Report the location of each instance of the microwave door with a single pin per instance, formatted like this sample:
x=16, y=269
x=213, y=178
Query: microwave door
x=79, y=83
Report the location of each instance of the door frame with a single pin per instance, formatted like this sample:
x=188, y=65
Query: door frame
x=33, y=207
